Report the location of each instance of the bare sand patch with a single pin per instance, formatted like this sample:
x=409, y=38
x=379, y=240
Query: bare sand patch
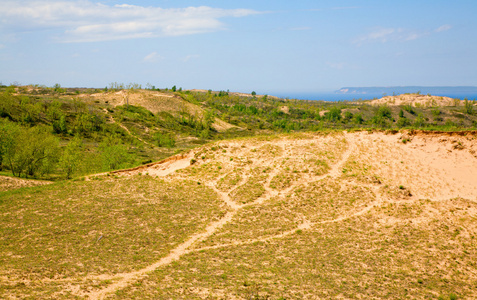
x=417, y=100
x=11, y=183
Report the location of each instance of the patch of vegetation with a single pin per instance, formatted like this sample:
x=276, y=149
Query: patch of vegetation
x=104, y=226
x=64, y=114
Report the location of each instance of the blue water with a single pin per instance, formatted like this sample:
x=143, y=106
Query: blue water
x=348, y=97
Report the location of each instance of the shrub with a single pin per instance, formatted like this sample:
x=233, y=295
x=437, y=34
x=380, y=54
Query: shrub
x=334, y=114
x=420, y=121
x=165, y=140
x=409, y=109
x=358, y=118
x=114, y=153
x=30, y=152
x=468, y=107
x=403, y=122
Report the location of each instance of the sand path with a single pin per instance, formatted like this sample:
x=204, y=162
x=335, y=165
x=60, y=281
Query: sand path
x=182, y=249
x=359, y=146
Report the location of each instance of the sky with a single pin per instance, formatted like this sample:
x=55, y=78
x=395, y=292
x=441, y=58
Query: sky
x=267, y=46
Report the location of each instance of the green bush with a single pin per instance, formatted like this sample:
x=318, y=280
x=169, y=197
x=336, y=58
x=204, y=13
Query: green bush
x=31, y=151
x=165, y=139
x=114, y=153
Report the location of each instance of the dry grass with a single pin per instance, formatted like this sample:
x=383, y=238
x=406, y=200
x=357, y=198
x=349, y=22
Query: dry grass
x=11, y=183
x=354, y=216
x=105, y=226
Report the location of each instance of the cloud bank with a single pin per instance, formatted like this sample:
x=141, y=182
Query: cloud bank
x=86, y=21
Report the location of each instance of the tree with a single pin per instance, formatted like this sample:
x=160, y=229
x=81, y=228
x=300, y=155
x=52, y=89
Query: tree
x=358, y=118
x=420, y=121
x=348, y=116
x=70, y=157
x=174, y=88
x=165, y=140
x=254, y=94
x=114, y=154
x=403, y=122
x=8, y=133
x=384, y=111
x=33, y=152
x=334, y=114
x=468, y=107
x=59, y=126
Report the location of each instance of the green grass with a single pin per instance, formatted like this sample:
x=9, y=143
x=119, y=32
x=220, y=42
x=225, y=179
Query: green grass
x=364, y=240
x=357, y=258
x=104, y=226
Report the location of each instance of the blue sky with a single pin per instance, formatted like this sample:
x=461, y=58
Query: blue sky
x=262, y=45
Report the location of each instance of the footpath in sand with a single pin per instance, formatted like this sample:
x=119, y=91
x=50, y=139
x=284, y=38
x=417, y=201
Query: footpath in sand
x=409, y=167
x=311, y=216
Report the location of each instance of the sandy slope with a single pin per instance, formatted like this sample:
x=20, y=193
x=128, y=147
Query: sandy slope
x=417, y=100
x=394, y=167
x=394, y=210
x=156, y=102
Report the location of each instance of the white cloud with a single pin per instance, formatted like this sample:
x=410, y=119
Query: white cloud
x=192, y=56
x=443, y=28
x=152, y=57
x=385, y=35
x=85, y=21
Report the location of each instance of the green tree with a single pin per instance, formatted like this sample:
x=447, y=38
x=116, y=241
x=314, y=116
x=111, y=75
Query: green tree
x=114, y=153
x=358, y=119
x=384, y=111
x=420, y=121
x=174, y=88
x=403, y=122
x=59, y=126
x=468, y=107
x=34, y=152
x=334, y=114
x=165, y=139
x=381, y=116
x=70, y=158
x=348, y=116
x=8, y=133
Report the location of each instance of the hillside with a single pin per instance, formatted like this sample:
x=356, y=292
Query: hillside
x=73, y=132
x=417, y=100
x=295, y=216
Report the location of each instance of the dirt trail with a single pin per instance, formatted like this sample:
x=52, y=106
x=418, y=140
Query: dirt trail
x=361, y=148
x=182, y=249
x=175, y=254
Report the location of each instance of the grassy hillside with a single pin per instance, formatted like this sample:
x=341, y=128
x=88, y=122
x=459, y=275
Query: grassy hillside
x=268, y=199
x=74, y=132
x=292, y=216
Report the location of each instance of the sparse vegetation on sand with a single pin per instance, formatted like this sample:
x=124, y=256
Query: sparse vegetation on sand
x=124, y=126
x=373, y=219
x=300, y=211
